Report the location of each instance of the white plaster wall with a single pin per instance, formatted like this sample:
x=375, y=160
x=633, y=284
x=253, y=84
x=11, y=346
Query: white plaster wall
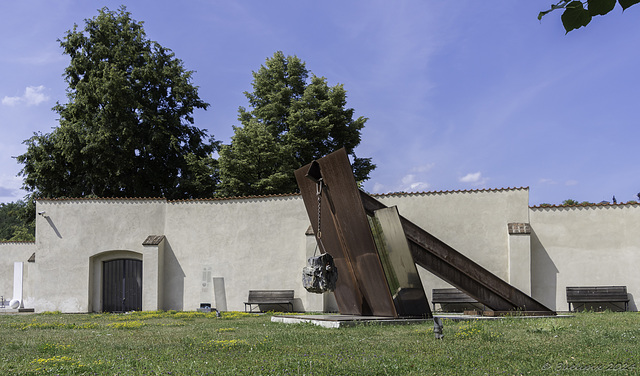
x=584, y=246
x=11, y=252
x=253, y=243
x=260, y=243
x=520, y=262
x=472, y=222
x=72, y=231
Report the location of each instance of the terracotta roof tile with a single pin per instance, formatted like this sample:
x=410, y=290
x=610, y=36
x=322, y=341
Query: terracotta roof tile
x=591, y=205
x=277, y=195
x=104, y=199
x=450, y=191
x=237, y=197
x=153, y=240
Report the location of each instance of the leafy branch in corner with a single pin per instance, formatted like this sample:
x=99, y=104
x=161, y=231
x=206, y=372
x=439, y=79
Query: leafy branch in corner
x=579, y=13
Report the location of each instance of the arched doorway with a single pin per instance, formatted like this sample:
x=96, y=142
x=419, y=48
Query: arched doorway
x=122, y=285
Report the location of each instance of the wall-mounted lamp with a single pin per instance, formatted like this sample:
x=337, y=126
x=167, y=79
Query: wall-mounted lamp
x=42, y=213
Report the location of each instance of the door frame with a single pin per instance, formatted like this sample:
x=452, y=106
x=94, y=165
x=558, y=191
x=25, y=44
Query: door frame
x=96, y=278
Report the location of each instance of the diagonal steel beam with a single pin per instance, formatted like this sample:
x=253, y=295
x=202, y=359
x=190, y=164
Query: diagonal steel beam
x=458, y=270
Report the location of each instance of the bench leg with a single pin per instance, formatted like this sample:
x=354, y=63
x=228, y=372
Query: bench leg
x=286, y=305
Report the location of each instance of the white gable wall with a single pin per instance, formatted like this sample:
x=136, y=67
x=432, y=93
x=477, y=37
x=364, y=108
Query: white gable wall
x=74, y=231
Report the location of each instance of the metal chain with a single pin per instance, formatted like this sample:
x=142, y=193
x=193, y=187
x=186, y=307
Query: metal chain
x=319, y=195
x=319, y=237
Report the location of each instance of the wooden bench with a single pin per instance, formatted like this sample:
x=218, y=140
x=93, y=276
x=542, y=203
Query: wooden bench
x=577, y=296
x=450, y=296
x=282, y=298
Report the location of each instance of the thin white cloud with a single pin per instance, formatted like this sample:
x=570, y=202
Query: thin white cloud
x=10, y=188
x=410, y=184
x=473, y=177
x=49, y=56
x=6, y=192
x=33, y=96
x=423, y=168
x=571, y=182
x=378, y=188
x=408, y=179
x=419, y=186
x=11, y=101
x=546, y=181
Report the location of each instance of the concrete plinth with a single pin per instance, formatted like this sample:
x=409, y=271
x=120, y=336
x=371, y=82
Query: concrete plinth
x=339, y=321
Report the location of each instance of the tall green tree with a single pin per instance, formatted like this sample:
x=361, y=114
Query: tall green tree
x=17, y=221
x=127, y=129
x=577, y=14
x=294, y=118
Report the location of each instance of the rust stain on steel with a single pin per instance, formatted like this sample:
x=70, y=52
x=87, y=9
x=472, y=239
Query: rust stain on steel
x=361, y=288
x=458, y=270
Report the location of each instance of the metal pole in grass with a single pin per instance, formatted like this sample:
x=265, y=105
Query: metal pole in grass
x=438, y=328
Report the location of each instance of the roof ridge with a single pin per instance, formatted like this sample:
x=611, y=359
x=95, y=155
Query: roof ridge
x=400, y=193
x=165, y=199
x=451, y=191
x=585, y=205
x=235, y=197
x=102, y=199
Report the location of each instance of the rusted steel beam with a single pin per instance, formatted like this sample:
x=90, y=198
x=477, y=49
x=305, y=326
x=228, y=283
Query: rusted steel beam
x=458, y=270
x=361, y=288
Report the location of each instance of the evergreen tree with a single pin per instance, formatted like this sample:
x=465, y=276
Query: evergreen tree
x=17, y=221
x=127, y=129
x=295, y=118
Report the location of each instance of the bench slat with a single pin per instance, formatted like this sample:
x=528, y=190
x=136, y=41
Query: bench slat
x=450, y=295
x=277, y=297
x=270, y=294
x=597, y=294
x=599, y=298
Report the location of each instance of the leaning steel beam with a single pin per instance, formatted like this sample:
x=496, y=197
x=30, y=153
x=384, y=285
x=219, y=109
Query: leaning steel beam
x=458, y=270
x=342, y=228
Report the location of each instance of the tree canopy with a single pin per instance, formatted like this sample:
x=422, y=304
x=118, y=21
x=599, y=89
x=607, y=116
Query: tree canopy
x=579, y=13
x=294, y=118
x=17, y=221
x=127, y=129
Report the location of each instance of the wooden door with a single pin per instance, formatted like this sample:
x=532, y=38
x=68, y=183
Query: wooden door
x=122, y=285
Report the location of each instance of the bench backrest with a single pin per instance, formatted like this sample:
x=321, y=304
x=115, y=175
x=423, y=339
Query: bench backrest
x=450, y=295
x=270, y=295
x=597, y=293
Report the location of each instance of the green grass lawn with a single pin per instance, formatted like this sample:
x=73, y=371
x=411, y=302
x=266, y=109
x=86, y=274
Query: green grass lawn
x=190, y=343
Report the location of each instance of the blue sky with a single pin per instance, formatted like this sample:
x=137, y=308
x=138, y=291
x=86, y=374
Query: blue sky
x=459, y=95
